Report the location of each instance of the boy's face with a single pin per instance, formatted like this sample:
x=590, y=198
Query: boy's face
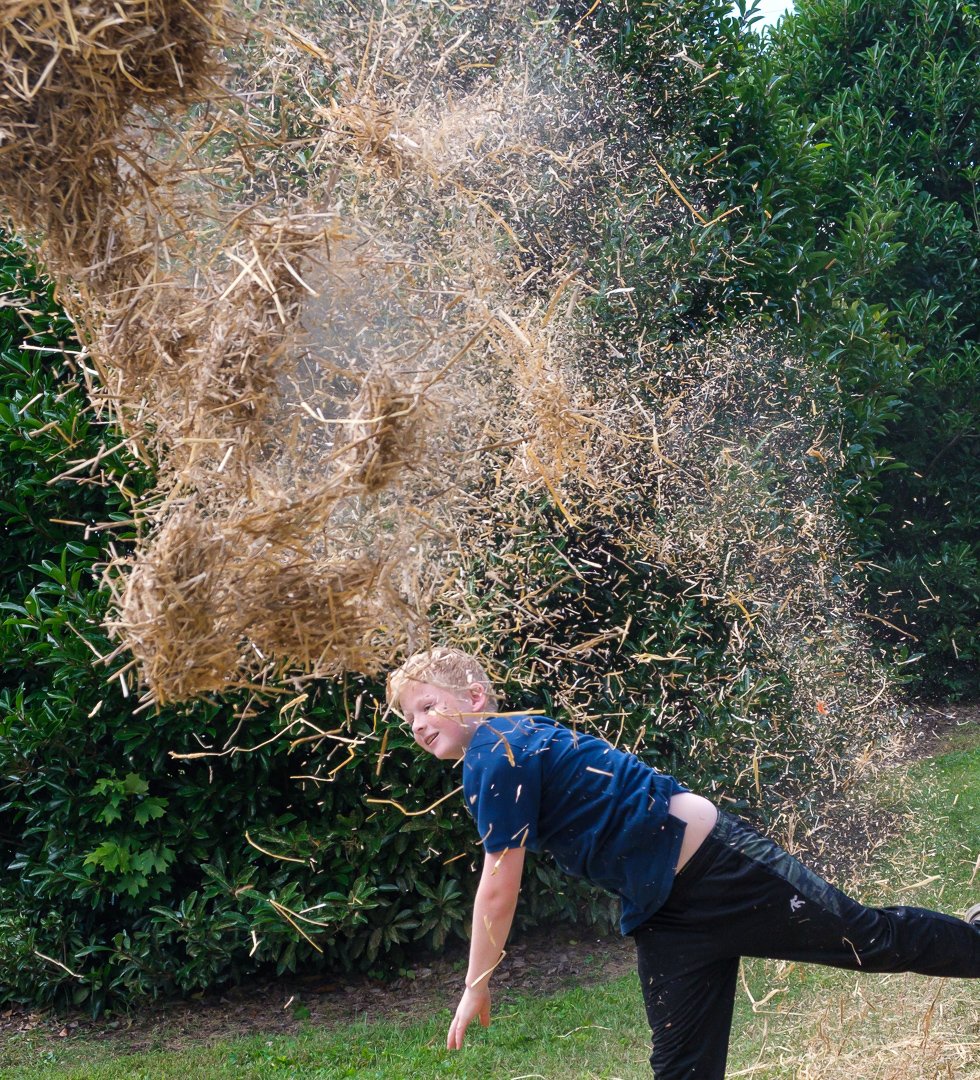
x=441, y=720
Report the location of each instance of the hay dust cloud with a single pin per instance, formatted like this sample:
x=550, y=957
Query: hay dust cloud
x=330, y=264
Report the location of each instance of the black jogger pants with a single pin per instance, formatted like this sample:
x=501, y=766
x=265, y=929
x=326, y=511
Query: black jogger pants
x=743, y=895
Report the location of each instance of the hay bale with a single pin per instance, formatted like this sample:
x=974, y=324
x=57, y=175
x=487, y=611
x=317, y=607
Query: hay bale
x=74, y=76
x=387, y=431
x=209, y=606
x=208, y=357
x=326, y=618
x=407, y=394
x=173, y=610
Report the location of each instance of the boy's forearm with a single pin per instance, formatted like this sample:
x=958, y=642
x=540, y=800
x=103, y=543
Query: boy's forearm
x=492, y=919
x=493, y=913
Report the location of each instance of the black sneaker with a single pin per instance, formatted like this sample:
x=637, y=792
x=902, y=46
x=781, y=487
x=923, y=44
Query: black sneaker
x=973, y=915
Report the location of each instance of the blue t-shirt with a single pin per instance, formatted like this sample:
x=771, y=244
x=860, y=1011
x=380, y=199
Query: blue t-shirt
x=530, y=782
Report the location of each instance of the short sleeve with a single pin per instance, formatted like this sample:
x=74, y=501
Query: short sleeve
x=502, y=789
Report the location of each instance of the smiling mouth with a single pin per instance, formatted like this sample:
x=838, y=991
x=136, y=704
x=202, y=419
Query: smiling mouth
x=431, y=739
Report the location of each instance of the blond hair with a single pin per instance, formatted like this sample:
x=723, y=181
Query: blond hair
x=442, y=666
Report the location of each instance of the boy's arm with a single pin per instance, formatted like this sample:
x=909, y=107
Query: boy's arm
x=493, y=913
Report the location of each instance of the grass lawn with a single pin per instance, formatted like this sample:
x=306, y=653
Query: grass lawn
x=791, y=1021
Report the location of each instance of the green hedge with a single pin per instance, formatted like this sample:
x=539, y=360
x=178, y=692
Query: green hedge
x=843, y=187
x=129, y=872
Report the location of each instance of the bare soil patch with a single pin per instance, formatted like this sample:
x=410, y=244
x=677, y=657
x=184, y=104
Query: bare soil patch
x=541, y=962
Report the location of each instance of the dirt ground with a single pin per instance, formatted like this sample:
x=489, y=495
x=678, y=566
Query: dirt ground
x=539, y=963
x=542, y=962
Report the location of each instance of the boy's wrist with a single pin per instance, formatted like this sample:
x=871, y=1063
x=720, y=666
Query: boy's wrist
x=482, y=978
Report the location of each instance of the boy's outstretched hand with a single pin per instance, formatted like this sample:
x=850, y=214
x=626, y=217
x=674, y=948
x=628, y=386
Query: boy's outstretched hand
x=474, y=1002
x=493, y=913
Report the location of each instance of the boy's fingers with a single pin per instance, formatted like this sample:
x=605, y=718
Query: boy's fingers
x=465, y=1014
x=457, y=1033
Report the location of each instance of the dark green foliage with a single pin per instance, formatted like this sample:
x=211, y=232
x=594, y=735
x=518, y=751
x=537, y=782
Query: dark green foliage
x=895, y=93
x=613, y=621
x=850, y=154
x=678, y=66
x=122, y=865
x=128, y=871
x=649, y=657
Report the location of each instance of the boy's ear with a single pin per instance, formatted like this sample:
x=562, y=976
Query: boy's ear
x=478, y=696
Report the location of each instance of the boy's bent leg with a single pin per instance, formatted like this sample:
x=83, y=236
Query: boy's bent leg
x=690, y=1014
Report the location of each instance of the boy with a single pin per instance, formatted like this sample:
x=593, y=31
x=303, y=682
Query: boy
x=699, y=887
